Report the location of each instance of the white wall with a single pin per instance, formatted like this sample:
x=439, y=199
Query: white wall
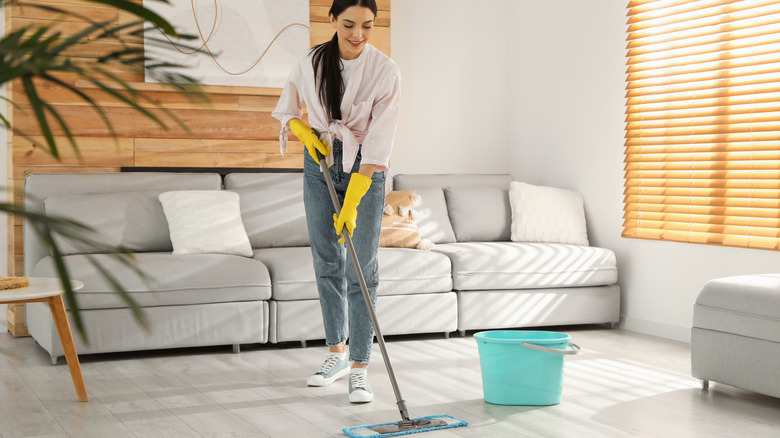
x=454, y=63
x=536, y=88
x=568, y=89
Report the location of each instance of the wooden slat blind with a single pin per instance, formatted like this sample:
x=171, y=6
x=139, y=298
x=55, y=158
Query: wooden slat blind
x=702, y=148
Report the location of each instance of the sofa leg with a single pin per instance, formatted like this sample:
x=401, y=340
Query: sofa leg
x=446, y=335
x=54, y=359
x=303, y=344
x=462, y=333
x=705, y=384
x=236, y=348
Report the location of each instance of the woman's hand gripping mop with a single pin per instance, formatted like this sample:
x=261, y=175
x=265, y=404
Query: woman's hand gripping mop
x=406, y=425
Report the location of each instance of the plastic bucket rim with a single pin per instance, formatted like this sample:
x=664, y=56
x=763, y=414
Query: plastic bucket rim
x=483, y=337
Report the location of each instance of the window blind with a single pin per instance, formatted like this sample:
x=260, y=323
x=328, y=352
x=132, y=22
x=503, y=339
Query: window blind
x=702, y=143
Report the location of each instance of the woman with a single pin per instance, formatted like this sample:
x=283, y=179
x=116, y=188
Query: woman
x=352, y=93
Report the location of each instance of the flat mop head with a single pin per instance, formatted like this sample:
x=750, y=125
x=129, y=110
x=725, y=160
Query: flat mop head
x=422, y=424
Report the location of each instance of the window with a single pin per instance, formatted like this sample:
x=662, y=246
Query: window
x=702, y=150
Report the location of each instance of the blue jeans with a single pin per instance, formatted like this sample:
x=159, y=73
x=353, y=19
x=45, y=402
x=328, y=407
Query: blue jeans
x=340, y=296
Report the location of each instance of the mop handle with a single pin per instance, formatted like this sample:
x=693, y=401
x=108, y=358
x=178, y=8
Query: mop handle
x=364, y=289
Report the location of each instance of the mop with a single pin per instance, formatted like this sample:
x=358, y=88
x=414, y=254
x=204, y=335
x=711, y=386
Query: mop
x=406, y=425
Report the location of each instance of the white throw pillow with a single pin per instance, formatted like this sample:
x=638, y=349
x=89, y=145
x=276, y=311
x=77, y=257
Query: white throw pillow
x=205, y=222
x=547, y=214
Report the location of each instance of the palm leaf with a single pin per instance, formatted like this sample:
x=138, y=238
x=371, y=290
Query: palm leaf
x=141, y=12
x=87, y=99
x=117, y=286
x=40, y=116
x=132, y=102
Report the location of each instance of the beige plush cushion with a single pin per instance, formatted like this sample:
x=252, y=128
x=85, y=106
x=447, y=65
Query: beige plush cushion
x=398, y=228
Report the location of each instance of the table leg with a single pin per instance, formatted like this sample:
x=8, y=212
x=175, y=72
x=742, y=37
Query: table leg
x=66, y=339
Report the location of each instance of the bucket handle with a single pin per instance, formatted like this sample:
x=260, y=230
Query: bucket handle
x=574, y=350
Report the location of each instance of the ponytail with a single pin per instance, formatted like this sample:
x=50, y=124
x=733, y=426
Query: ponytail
x=327, y=76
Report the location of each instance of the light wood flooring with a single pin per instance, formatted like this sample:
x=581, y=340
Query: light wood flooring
x=624, y=384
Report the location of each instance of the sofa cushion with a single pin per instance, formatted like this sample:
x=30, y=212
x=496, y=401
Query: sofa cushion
x=745, y=305
x=271, y=207
x=479, y=214
x=433, y=221
x=132, y=220
x=205, y=222
x=291, y=270
x=404, y=271
x=547, y=214
x=419, y=182
x=401, y=271
x=509, y=265
x=40, y=186
x=172, y=279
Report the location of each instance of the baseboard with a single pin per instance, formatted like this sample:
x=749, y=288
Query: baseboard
x=655, y=328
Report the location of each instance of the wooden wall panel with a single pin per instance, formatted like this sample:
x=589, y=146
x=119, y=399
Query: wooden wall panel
x=235, y=130
x=92, y=151
x=216, y=153
x=86, y=122
x=89, y=11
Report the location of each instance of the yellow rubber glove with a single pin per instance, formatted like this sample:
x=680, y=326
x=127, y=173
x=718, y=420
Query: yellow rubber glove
x=358, y=186
x=309, y=139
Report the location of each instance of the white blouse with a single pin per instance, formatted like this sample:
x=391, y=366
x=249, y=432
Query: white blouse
x=369, y=108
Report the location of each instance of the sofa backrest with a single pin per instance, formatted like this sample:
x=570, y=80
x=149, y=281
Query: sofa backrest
x=271, y=208
x=461, y=207
x=126, y=201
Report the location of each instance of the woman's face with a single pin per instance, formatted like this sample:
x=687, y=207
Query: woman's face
x=353, y=27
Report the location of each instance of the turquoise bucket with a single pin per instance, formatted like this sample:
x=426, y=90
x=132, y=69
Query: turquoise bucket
x=523, y=367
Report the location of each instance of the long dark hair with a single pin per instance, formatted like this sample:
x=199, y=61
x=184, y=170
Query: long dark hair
x=327, y=64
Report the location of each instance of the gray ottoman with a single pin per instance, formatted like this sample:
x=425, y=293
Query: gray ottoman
x=735, y=337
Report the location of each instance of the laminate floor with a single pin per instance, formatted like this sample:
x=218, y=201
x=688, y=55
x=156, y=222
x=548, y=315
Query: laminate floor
x=624, y=384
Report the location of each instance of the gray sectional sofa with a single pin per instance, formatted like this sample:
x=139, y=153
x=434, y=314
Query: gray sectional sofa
x=473, y=278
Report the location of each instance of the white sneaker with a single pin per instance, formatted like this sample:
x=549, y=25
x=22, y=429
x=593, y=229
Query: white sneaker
x=335, y=366
x=359, y=389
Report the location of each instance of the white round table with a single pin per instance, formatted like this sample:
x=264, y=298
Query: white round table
x=49, y=290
